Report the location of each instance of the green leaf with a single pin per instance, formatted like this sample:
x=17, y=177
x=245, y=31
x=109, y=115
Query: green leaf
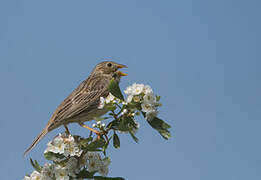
x=111, y=107
x=157, y=123
x=116, y=141
x=48, y=155
x=115, y=89
x=161, y=127
x=36, y=165
x=52, y=156
x=123, y=124
x=107, y=178
x=165, y=133
x=131, y=122
x=134, y=137
x=96, y=145
x=106, y=146
x=84, y=142
x=85, y=174
x=112, y=124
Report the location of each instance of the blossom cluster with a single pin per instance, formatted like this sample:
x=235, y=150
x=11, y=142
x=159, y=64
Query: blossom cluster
x=68, y=160
x=139, y=97
x=63, y=171
x=107, y=100
x=143, y=95
x=65, y=145
x=96, y=163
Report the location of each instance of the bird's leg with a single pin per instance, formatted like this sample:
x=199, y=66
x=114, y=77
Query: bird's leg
x=87, y=127
x=98, y=133
x=66, y=129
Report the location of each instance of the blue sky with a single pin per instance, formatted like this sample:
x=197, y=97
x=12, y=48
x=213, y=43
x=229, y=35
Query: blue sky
x=202, y=57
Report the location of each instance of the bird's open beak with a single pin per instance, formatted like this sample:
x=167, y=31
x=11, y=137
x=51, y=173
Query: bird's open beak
x=122, y=73
x=121, y=66
x=119, y=72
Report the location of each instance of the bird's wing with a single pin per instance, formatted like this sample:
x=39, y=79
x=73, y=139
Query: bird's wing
x=85, y=95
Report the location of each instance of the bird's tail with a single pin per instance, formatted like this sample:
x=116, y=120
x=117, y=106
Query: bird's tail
x=36, y=140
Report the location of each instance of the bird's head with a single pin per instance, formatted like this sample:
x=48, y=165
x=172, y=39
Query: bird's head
x=109, y=68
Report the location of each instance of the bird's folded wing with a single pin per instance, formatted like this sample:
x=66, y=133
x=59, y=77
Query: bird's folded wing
x=84, y=96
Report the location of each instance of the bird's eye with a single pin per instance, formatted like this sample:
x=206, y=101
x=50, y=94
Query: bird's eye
x=109, y=64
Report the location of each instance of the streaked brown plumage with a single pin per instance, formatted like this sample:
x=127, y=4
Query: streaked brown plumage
x=82, y=104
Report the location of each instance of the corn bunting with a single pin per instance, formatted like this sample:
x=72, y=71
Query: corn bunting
x=82, y=104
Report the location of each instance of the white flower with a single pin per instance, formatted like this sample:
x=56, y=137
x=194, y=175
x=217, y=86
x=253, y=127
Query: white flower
x=71, y=166
x=129, y=98
x=103, y=170
x=102, y=103
x=61, y=173
x=47, y=172
x=35, y=175
x=110, y=98
x=63, y=144
x=27, y=178
x=93, y=165
x=137, y=88
x=103, y=124
x=93, y=156
x=56, y=146
x=149, y=98
x=104, y=167
x=146, y=107
x=106, y=161
x=94, y=161
x=94, y=125
x=71, y=148
x=150, y=110
x=147, y=89
x=129, y=90
x=83, y=160
x=134, y=89
x=136, y=98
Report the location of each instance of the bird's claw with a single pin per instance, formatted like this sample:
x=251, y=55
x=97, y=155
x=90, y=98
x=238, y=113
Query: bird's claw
x=102, y=133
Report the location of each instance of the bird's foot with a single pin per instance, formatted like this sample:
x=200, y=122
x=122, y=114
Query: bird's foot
x=98, y=133
x=66, y=130
x=102, y=133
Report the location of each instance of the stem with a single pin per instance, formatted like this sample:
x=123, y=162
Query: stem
x=118, y=105
x=115, y=116
x=122, y=108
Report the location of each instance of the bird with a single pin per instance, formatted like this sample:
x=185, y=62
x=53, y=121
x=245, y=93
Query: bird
x=82, y=104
